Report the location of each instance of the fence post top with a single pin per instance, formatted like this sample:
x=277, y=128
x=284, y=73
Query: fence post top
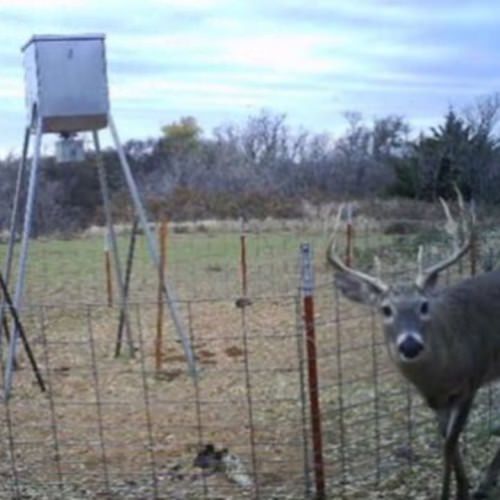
x=306, y=269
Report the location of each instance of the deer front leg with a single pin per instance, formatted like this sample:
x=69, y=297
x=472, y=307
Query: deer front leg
x=463, y=485
x=451, y=422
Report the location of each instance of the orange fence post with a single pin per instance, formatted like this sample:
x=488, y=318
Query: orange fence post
x=162, y=239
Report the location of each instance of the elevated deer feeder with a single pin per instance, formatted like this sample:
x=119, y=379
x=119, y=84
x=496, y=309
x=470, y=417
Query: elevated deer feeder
x=66, y=82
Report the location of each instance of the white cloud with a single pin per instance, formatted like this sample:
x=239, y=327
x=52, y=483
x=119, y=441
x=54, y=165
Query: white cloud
x=220, y=58
x=288, y=52
x=10, y=88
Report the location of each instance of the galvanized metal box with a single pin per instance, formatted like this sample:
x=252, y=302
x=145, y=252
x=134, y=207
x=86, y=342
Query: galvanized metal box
x=66, y=82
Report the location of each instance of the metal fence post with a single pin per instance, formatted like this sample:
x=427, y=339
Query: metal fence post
x=171, y=297
x=23, y=255
x=243, y=264
x=162, y=239
x=307, y=288
x=107, y=269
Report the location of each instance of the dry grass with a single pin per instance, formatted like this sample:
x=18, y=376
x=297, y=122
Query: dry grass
x=113, y=428
x=116, y=422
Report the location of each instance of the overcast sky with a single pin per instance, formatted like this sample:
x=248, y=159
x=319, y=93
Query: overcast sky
x=222, y=60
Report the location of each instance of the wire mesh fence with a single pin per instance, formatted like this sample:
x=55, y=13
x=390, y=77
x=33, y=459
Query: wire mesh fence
x=120, y=427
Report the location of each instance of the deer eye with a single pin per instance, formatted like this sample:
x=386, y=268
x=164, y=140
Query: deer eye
x=386, y=311
x=424, y=308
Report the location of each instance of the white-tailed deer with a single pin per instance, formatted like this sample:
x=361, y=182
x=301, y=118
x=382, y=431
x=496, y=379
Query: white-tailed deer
x=445, y=341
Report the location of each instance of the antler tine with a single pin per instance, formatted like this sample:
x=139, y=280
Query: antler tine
x=462, y=223
x=472, y=212
x=420, y=263
x=424, y=277
x=451, y=226
x=460, y=198
x=336, y=262
x=331, y=245
x=338, y=219
x=377, y=265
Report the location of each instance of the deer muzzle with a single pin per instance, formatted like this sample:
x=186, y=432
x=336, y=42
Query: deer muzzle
x=410, y=346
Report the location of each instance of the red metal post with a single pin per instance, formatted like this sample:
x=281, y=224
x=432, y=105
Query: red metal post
x=312, y=365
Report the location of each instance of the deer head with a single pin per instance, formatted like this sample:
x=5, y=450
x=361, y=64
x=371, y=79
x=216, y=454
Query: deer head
x=406, y=309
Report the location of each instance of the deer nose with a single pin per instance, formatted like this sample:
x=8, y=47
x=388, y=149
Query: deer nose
x=410, y=346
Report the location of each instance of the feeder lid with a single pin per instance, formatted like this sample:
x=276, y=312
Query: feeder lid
x=58, y=38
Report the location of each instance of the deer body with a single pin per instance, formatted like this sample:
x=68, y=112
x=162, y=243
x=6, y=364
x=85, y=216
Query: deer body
x=446, y=342
x=462, y=339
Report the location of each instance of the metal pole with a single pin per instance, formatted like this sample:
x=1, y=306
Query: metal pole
x=162, y=235
x=243, y=260
x=308, y=299
x=14, y=218
x=128, y=273
x=112, y=239
x=22, y=334
x=107, y=269
x=153, y=252
x=302, y=396
x=349, y=231
x=23, y=257
x=15, y=208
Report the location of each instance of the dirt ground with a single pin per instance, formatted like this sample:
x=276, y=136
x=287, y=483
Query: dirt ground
x=117, y=428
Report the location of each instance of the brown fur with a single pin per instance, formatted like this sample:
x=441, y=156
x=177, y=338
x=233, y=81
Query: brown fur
x=461, y=338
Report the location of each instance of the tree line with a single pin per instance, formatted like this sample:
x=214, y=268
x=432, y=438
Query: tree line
x=264, y=167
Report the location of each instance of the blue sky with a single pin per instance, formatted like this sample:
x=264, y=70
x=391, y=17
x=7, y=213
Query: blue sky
x=222, y=60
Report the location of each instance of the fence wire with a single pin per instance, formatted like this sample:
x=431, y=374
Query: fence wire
x=112, y=427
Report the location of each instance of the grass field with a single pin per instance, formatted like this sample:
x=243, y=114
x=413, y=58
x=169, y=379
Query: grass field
x=117, y=428
x=108, y=421
x=72, y=271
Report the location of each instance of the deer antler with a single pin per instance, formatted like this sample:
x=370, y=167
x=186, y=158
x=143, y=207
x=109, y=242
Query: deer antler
x=426, y=276
x=336, y=262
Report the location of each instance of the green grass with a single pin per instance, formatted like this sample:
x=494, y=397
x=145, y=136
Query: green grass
x=202, y=265
x=206, y=266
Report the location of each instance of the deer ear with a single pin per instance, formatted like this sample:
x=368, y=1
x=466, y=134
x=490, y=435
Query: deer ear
x=356, y=289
